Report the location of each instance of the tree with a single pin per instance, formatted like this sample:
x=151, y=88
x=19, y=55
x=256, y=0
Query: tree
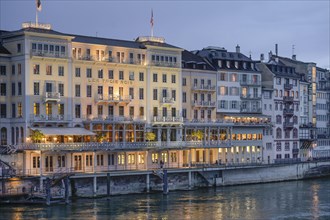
x=37, y=136
x=198, y=135
x=100, y=137
x=150, y=136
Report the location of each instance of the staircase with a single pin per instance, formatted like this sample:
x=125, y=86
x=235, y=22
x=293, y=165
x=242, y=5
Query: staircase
x=207, y=180
x=7, y=149
x=7, y=170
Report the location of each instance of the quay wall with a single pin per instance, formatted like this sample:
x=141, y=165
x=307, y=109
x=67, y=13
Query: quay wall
x=98, y=184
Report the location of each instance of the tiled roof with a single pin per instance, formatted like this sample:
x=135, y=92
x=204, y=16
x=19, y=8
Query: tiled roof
x=188, y=57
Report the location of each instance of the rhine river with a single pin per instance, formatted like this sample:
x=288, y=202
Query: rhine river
x=307, y=199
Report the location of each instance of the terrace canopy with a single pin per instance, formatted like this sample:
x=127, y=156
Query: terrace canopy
x=65, y=131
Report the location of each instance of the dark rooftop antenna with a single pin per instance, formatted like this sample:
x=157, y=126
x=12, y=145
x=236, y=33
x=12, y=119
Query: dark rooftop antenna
x=294, y=57
x=250, y=52
x=276, y=49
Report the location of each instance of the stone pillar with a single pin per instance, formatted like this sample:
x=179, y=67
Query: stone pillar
x=189, y=152
x=94, y=185
x=134, y=131
x=159, y=130
x=41, y=164
x=94, y=162
x=148, y=183
x=168, y=134
x=124, y=134
x=146, y=160
x=189, y=180
x=108, y=185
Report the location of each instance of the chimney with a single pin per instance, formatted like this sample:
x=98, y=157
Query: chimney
x=294, y=57
x=238, y=49
x=262, y=57
x=276, y=49
x=270, y=55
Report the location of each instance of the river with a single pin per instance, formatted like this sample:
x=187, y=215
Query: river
x=306, y=199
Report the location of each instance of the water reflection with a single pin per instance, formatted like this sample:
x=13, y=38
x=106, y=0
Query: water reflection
x=287, y=200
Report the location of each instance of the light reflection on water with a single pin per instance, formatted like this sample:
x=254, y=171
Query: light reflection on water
x=308, y=199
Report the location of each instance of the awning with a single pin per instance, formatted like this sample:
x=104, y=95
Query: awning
x=246, y=115
x=64, y=131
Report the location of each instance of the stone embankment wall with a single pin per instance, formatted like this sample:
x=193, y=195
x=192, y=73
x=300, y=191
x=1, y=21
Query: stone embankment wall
x=90, y=185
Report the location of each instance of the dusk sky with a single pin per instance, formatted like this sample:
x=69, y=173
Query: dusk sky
x=255, y=25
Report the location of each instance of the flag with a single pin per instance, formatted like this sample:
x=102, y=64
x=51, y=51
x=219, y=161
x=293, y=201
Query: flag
x=152, y=19
x=38, y=3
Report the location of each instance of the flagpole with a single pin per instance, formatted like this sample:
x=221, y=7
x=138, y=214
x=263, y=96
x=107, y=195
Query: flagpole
x=37, y=17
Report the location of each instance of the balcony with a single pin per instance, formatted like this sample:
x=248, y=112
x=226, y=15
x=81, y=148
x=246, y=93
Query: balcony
x=52, y=97
x=295, y=151
x=250, y=97
x=167, y=119
x=165, y=64
x=288, y=125
x=203, y=104
x=288, y=99
x=109, y=118
x=101, y=99
x=250, y=83
x=288, y=112
x=167, y=100
x=53, y=54
x=288, y=86
x=50, y=118
x=203, y=88
x=251, y=110
x=306, y=137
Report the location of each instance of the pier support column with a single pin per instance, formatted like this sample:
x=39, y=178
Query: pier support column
x=148, y=182
x=108, y=186
x=189, y=180
x=165, y=182
x=66, y=192
x=94, y=185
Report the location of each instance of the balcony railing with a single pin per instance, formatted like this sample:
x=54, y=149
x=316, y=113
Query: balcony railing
x=201, y=88
x=50, y=118
x=251, y=110
x=53, y=54
x=168, y=119
x=288, y=86
x=288, y=124
x=205, y=104
x=288, y=111
x=165, y=64
x=52, y=97
x=250, y=83
x=288, y=98
x=167, y=100
x=250, y=96
x=307, y=137
x=113, y=99
x=111, y=118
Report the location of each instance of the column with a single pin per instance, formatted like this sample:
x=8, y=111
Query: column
x=95, y=161
x=159, y=130
x=168, y=134
x=189, y=157
x=148, y=182
x=41, y=164
x=124, y=134
x=146, y=160
x=94, y=185
x=189, y=180
x=134, y=131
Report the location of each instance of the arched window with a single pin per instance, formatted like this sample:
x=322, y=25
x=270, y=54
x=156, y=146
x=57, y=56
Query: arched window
x=278, y=119
x=278, y=133
x=295, y=119
x=295, y=133
x=287, y=134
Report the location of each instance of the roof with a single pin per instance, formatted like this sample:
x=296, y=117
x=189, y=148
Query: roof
x=188, y=57
x=3, y=50
x=222, y=54
x=64, y=131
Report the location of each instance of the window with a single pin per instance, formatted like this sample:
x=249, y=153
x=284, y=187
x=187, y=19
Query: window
x=173, y=79
x=100, y=110
x=89, y=73
x=278, y=133
x=19, y=48
x=36, y=69
x=60, y=109
x=287, y=146
x=110, y=92
x=77, y=111
x=48, y=70
x=131, y=93
x=164, y=78
x=19, y=110
x=184, y=81
x=49, y=87
x=100, y=73
x=141, y=94
x=121, y=110
x=141, y=76
x=184, y=97
x=174, y=95
x=131, y=75
x=234, y=105
x=89, y=91
x=155, y=94
x=223, y=77
x=100, y=90
x=278, y=146
x=61, y=89
x=287, y=134
x=110, y=110
x=13, y=69
x=131, y=111
x=61, y=70
x=13, y=110
x=3, y=111
x=155, y=77
x=278, y=119
x=164, y=112
x=13, y=89
x=89, y=110
x=233, y=77
x=77, y=71
x=36, y=109
x=295, y=133
x=19, y=68
x=19, y=85
x=209, y=112
x=184, y=113
x=3, y=70
x=141, y=111
x=223, y=90
x=278, y=81
x=77, y=90
x=121, y=75
x=99, y=160
x=110, y=74
x=3, y=89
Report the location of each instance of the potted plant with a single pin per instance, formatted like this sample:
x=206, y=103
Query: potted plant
x=37, y=136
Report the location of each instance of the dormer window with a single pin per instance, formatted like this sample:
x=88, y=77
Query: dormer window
x=244, y=65
x=252, y=65
x=228, y=64
x=236, y=64
x=220, y=63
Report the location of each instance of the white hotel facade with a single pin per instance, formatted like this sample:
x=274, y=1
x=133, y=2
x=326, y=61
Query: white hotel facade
x=97, y=100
